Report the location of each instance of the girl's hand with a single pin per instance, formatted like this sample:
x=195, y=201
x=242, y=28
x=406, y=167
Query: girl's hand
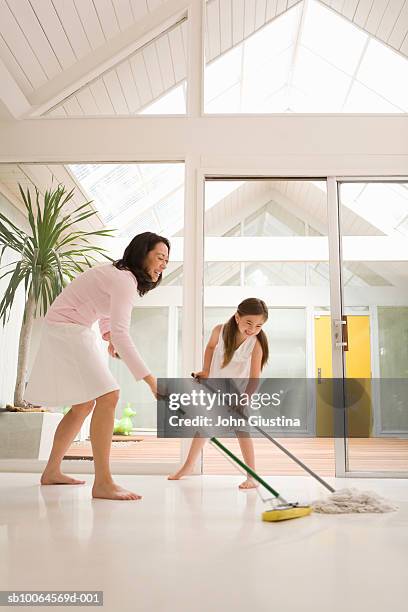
x=201, y=374
x=111, y=351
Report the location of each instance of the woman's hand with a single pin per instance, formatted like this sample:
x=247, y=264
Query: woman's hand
x=201, y=374
x=152, y=382
x=112, y=352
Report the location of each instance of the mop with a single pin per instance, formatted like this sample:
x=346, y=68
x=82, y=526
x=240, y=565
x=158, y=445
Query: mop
x=282, y=510
x=343, y=501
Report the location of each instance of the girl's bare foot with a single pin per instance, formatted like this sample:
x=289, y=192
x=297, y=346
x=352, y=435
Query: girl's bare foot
x=110, y=490
x=248, y=484
x=54, y=478
x=184, y=471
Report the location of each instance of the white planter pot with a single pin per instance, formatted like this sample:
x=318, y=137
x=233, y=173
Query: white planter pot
x=27, y=435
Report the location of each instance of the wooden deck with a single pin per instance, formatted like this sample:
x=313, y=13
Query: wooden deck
x=372, y=454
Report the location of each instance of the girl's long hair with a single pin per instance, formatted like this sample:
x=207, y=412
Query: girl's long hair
x=250, y=306
x=134, y=256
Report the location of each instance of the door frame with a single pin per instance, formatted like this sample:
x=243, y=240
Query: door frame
x=334, y=209
x=335, y=278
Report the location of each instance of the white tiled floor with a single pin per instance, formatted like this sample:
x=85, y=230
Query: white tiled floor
x=200, y=544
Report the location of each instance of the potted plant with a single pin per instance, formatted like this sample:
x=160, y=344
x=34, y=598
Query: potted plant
x=50, y=255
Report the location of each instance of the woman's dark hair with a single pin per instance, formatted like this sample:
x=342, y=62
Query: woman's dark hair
x=250, y=306
x=134, y=257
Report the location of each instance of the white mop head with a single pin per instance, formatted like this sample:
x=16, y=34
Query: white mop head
x=353, y=500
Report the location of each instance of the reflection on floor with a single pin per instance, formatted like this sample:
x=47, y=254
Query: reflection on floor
x=368, y=454
x=199, y=545
x=364, y=454
x=148, y=449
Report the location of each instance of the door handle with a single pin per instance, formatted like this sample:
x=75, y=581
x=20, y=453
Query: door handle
x=342, y=334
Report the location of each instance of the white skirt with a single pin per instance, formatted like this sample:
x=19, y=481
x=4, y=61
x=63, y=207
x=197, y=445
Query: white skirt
x=69, y=367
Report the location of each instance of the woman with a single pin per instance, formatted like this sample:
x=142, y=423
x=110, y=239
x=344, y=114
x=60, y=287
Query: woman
x=69, y=368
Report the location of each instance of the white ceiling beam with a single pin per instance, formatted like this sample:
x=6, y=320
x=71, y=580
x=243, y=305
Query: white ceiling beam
x=106, y=57
x=295, y=249
x=11, y=94
x=316, y=143
x=302, y=248
x=301, y=297
x=195, y=59
x=285, y=297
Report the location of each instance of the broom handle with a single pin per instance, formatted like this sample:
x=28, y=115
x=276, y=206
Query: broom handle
x=282, y=448
x=240, y=463
x=296, y=460
x=249, y=470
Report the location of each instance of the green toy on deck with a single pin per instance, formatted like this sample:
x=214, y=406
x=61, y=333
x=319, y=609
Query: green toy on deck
x=124, y=425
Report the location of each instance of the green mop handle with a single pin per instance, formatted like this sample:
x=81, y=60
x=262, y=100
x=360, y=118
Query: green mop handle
x=244, y=466
x=282, y=448
x=249, y=470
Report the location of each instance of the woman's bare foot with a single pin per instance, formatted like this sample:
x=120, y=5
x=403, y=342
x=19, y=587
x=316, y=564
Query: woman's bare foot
x=184, y=471
x=248, y=484
x=111, y=490
x=55, y=478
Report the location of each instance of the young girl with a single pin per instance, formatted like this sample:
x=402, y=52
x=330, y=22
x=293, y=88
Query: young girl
x=238, y=349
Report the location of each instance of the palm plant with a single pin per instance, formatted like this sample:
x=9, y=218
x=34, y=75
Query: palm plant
x=51, y=255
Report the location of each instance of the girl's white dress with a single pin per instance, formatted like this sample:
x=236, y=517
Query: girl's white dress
x=236, y=371
x=240, y=365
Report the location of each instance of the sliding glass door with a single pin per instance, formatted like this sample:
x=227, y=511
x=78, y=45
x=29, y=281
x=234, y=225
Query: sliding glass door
x=330, y=260
x=374, y=244
x=268, y=238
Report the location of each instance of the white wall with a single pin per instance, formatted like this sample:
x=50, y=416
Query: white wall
x=9, y=334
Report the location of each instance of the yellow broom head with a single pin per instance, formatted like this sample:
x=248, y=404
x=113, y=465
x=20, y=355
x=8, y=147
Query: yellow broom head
x=284, y=513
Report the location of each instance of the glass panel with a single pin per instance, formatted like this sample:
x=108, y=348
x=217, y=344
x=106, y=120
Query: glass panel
x=144, y=320
x=295, y=61
x=268, y=239
x=376, y=301
x=130, y=198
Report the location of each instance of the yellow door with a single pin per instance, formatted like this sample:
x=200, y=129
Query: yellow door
x=358, y=366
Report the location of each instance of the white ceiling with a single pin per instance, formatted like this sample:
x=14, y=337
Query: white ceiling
x=41, y=41
x=231, y=21
x=387, y=20
x=136, y=82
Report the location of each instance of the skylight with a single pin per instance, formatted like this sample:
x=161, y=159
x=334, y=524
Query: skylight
x=138, y=197
x=133, y=197
x=171, y=103
x=299, y=62
x=384, y=205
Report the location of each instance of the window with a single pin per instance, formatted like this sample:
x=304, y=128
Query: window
x=297, y=62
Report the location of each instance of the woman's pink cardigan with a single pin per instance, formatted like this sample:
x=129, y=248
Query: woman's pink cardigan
x=107, y=295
